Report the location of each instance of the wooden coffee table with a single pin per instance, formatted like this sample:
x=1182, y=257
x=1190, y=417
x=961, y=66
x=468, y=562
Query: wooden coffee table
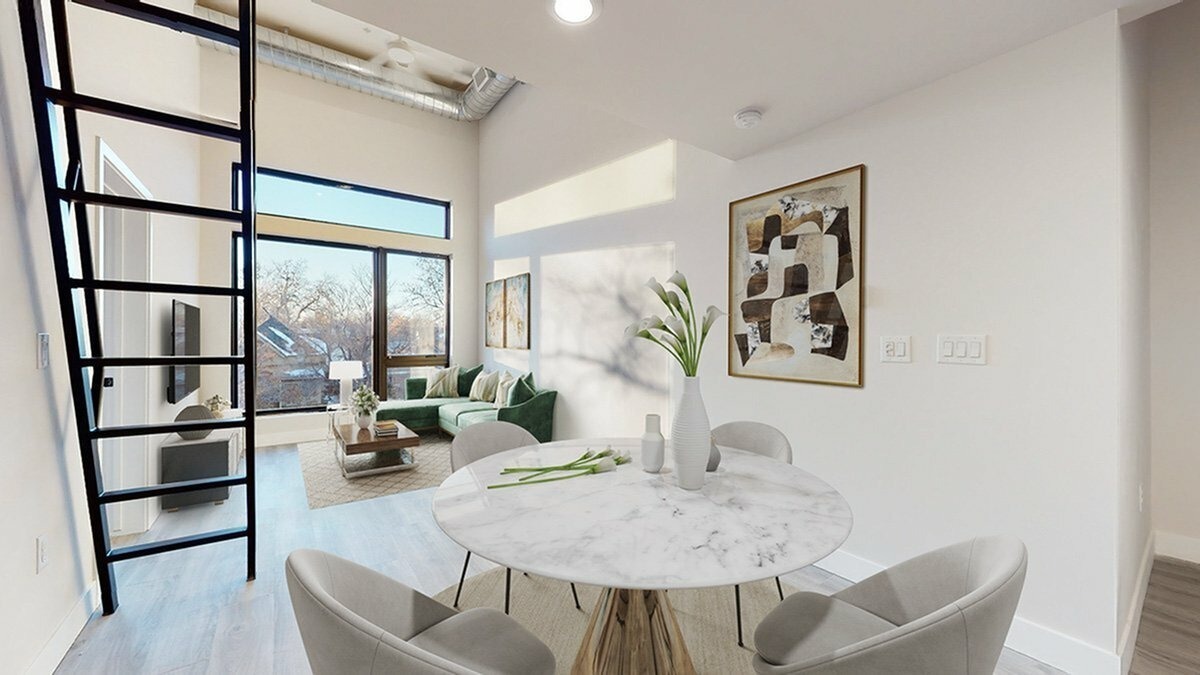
x=387, y=454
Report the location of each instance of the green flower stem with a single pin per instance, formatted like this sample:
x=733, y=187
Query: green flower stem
x=542, y=480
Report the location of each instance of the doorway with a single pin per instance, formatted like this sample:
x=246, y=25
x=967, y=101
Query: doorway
x=125, y=253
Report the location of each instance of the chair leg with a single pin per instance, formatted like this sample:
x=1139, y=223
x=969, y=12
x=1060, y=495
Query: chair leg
x=507, y=586
x=779, y=585
x=575, y=595
x=737, y=598
x=461, y=579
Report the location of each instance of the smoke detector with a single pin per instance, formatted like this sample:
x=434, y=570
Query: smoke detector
x=747, y=118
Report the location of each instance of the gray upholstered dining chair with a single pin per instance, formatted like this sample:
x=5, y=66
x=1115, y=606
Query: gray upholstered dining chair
x=762, y=439
x=473, y=443
x=355, y=620
x=947, y=611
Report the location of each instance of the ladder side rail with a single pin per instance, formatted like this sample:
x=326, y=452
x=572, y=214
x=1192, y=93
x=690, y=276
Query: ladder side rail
x=247, y=69
x=38, y=72
x=83, y=235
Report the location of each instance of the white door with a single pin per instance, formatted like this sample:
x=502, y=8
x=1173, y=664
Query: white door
x=125, y=253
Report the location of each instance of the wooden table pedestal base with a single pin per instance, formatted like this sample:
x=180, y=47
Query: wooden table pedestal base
x=632, y=632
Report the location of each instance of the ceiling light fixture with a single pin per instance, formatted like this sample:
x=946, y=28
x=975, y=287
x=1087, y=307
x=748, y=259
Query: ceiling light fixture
x=576, y=12
x=747, y=118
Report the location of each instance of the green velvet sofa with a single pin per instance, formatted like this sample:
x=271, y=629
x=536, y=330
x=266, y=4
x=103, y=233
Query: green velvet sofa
x=451, y=415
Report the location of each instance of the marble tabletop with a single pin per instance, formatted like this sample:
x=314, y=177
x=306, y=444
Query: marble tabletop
x=755, y=518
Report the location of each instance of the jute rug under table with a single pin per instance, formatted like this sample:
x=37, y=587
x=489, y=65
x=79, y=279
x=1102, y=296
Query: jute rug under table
x=326, y=486
x=706, y=616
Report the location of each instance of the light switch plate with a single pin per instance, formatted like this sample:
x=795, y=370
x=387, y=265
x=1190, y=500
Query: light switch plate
x=895, y=349
x=43, y=351
x=970, y=350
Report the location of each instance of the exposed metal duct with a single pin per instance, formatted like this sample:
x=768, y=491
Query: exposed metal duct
x=328, y=65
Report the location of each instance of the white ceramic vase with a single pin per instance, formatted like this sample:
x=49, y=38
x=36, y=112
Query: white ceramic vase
x=691, y=437
x=653, y=445
x=364, y=421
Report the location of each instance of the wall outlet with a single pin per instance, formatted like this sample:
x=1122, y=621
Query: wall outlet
x=43, y=351
x=43, y=557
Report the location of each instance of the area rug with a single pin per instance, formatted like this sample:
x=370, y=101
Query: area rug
x=706, y=616
x=326, y=486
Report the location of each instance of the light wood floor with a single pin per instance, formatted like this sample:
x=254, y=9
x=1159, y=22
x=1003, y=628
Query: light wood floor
x=192, y=611
x=1169, y=637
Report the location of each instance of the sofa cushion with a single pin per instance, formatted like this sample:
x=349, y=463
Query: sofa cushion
x=522, y=391
x=807, y=625
x=484, y=388
x=418, y=412
x=476, y=416
x=443, y=383
x=450, y=412
x=466, y=377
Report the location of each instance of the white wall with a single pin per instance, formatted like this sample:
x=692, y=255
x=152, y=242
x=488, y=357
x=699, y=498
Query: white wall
x=1134, y=550
x=1175, y=277
x=314, y=128
x=992, y=207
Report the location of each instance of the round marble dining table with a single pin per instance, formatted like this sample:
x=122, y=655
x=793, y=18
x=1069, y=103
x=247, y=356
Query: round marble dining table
x=638, y=534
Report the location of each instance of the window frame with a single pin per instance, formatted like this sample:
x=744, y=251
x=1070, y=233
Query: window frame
x=381, y=360
x=343, y=185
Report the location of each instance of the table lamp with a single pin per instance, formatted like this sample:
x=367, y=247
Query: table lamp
x=346, y=372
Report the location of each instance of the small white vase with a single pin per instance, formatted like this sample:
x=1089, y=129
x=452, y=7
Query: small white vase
x=364, y=421
x=653, y=445
x=691, y=437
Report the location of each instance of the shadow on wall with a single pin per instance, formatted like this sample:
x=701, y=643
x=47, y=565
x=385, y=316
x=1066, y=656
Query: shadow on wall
x=26, y=193
x=587, y=298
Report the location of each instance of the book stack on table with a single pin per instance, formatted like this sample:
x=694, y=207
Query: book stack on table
x=387, y=429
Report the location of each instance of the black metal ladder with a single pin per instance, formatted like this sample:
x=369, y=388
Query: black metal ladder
x=52, y=87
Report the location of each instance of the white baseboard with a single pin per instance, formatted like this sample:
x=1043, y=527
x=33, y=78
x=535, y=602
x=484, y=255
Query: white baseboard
x=64, y=636
x=1177, y=546
x=1033, y=640
x=1133, y=620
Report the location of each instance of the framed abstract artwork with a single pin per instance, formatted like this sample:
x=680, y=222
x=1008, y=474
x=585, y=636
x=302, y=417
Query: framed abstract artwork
x=516, y=312
x=493, y=330
x=795, y=281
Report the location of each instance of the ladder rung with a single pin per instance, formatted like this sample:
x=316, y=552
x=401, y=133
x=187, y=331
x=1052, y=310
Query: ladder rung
x=135, y=361
x=167, y=18
x=151, y=548
x=155, y=287
x=130, y=494
x=137, y=204
x=135, y=113
x=166, y=428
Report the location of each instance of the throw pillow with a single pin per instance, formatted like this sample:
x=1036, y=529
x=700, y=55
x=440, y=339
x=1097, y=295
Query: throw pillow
x=466, y=378
x=521, y=392
x=504, y=389
x=484, y=387
x=443, y=383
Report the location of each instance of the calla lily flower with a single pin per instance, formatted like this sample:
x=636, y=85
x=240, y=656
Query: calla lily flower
x=605, y=465
x=658, y=289
x=675, y=325
x=679, y=280
x=711, y=316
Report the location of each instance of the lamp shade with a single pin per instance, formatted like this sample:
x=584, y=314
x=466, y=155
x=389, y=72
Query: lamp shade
x=345, y=370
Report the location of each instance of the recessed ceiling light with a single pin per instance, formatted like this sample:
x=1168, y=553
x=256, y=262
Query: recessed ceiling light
x=576, y=12
x=747, y=118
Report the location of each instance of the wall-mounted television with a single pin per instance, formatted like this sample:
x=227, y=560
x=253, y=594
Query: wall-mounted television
x=185, y=341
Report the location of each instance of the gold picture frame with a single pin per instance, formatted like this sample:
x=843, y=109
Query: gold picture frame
x=796, y=281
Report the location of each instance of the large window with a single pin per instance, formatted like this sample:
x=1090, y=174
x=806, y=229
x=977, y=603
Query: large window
x=282, y=193
x=321, y=302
